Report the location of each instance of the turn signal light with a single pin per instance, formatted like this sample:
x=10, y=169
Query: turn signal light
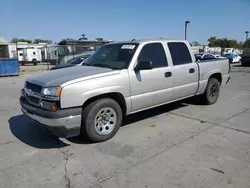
x=53, y=107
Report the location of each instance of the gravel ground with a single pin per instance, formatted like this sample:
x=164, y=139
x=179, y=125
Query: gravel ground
x=29, y=69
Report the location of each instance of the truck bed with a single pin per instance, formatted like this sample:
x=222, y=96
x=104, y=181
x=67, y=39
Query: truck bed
x=209, y=67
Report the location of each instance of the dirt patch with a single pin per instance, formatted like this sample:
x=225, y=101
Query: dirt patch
x=27, y=69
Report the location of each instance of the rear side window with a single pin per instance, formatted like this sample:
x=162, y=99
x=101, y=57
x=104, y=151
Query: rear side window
x=154, y=52
x=179, y=53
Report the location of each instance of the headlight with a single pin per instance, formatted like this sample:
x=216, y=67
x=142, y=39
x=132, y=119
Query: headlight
x=52, y=91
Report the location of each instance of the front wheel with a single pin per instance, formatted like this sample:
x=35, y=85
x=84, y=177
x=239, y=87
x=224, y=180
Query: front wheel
x=101, y=119
x=212, y=92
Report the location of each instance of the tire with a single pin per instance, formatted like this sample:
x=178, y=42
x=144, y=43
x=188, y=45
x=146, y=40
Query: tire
x=34, y=62
x=99, y=115
x=212, y=92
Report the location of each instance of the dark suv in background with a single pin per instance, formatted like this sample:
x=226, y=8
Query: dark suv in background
x=71, y=62
x=245, y=60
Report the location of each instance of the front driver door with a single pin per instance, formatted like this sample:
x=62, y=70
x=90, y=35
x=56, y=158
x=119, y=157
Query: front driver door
x=151, y=87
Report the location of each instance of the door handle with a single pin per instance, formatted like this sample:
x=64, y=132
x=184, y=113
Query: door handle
x=191, y=70
x=168, y=74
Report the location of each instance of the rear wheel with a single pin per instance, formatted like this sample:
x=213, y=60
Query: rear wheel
x=212, y=92
x=101, y=120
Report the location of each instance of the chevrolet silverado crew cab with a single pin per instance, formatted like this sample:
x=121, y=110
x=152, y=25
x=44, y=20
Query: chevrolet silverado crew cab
x=120, y=79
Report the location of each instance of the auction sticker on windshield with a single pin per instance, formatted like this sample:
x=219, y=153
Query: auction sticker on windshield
x=127, y=46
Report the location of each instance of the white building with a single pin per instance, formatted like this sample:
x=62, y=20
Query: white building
x=3, y=41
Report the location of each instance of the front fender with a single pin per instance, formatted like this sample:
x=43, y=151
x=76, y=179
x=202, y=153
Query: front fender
x=107, y=90
x=75, y=94
x=100, y=91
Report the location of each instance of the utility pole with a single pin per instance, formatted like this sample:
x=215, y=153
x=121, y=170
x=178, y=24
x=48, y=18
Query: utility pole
x=186, y=23
x=246, y=37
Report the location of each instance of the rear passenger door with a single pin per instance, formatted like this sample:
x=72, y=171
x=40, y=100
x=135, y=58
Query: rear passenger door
x=185, y=71
x=151, y=87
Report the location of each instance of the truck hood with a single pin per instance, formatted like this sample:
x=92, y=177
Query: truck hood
x=71, y=74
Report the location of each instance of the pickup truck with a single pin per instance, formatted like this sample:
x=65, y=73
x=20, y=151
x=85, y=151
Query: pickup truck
x=117, y=80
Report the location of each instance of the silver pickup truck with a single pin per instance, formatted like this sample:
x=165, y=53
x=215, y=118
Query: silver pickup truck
x=120, y=79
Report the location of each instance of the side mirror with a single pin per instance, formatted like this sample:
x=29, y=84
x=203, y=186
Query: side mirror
x=143, y=65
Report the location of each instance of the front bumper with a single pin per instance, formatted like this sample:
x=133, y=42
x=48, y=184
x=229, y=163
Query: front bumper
x=63, y=123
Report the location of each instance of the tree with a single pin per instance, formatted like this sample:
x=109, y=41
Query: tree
x=231, y=43
x=99, y=39
x=224, y=43
x=214, y=42
x=195, y=43
x=36, y=41
x=240, y=44
x=248, y=43
x=67, y=39
x=16, y=40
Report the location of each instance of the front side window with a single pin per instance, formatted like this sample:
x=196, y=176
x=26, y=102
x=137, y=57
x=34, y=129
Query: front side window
x=114, y=56
x=180, y=53
x=155, y=53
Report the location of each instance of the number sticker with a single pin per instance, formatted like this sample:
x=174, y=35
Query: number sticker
x=127, y=46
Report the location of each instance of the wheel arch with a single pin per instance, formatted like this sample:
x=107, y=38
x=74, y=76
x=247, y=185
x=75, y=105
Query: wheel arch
x=118, y=97
x=217, y=76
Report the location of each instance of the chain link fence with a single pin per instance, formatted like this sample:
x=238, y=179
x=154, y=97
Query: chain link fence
x=60, y=54
x=220, y=51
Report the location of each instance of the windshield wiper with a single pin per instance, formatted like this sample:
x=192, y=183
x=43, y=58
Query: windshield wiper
x=101, y=65
x=85, y=64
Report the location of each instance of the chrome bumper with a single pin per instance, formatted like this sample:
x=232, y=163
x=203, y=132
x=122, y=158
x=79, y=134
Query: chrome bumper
x=61, y=127
x=63, y=123
x=68, y=122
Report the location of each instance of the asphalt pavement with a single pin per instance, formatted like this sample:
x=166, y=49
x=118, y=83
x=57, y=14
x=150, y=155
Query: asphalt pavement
x=181, y=145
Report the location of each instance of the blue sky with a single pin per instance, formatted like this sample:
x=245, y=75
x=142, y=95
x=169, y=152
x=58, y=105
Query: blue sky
x=124, y=19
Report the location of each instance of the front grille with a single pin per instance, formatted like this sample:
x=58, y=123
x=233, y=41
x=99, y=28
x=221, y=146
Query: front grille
x=33, y=100
x=34, y=87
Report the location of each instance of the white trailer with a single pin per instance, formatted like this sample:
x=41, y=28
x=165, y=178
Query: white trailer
x=29, y=55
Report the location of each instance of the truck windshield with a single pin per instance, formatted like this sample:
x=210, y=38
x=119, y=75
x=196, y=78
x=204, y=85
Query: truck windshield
x=114, y=56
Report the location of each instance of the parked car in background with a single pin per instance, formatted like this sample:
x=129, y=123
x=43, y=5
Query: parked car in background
x=235, y=58
x=120, y=79
x=205, y=56
x=229, y=57
x=245, y=60
x=71, y=63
